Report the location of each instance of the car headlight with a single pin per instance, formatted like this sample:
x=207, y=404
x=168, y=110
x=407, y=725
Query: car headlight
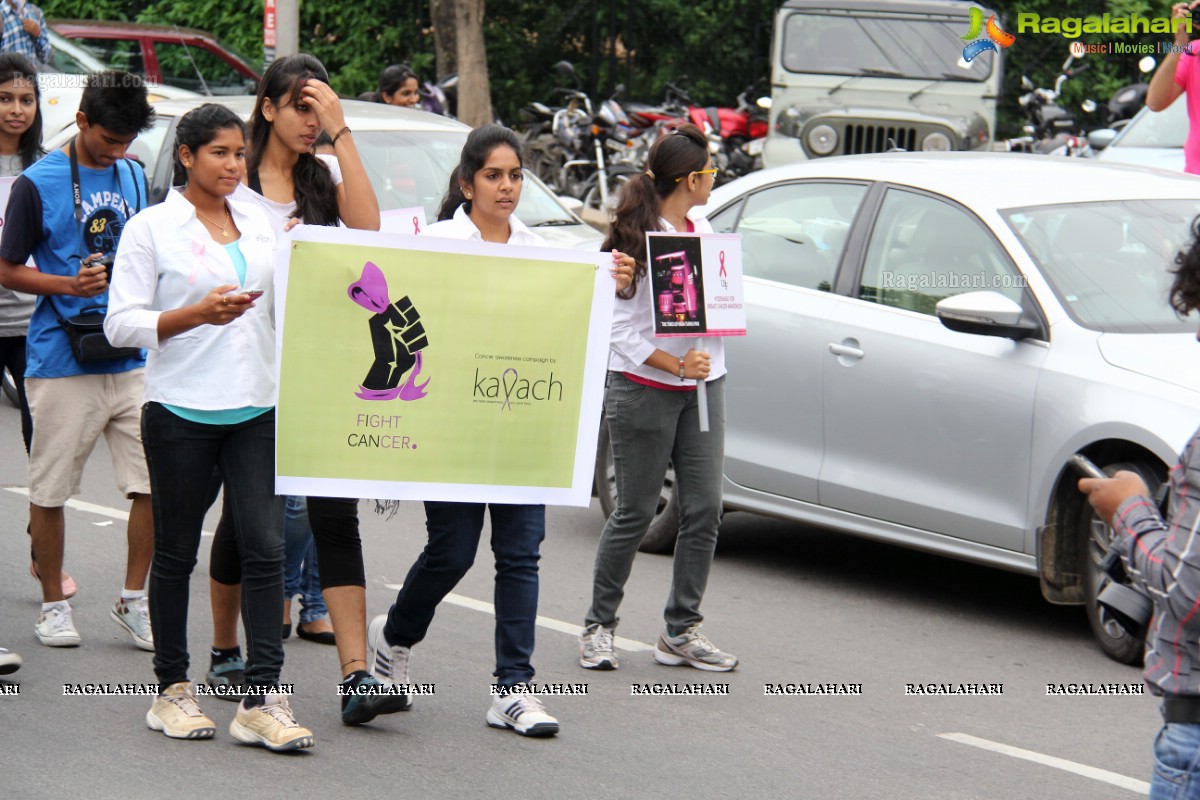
x=936, y=141
x=823, y=139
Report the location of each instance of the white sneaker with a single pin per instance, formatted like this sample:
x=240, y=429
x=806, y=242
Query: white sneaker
x=10, y=662
x=388, y=663
x=134, y=617
x=596, y=648
x=176, y=713
x=272, y=724
x=55, y=629
x=521, y=712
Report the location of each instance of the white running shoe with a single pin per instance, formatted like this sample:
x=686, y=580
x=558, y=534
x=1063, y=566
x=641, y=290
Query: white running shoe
x=176, y=713
x=10, y=662
x=521, y=712
x=272, y=724
x=55, y=629
x=388, y=662
x=134, y=617
x=596, y=648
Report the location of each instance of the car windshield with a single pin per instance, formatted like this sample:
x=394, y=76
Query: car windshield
x=1109, y=262
x=1167, y=128
x=412, y=168
x=928, y=49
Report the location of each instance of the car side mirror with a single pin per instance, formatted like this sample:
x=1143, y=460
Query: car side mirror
x=1102, y=138
x=985, y=314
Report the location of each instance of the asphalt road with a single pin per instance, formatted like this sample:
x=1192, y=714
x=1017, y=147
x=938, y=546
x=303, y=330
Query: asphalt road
x=798, y=606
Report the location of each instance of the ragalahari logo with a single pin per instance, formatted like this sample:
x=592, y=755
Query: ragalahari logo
x=995, y=36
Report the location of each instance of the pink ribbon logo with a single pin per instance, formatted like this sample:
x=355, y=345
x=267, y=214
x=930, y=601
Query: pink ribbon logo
x=416, y=225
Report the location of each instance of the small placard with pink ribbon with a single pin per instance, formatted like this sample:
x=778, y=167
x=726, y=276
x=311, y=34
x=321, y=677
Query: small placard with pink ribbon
x=696, y=284
x=403, y=220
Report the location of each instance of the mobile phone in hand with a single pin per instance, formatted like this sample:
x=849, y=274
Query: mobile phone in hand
x=254, y=294
x=1086, y=467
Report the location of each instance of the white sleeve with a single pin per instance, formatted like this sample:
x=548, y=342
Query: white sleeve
x=132, y=321
x=627, y=340
x=335, y=168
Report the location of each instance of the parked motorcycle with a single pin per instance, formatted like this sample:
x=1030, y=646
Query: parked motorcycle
x=1050, y=128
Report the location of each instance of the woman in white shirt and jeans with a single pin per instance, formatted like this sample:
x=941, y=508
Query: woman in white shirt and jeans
x=653, y=419
x=193, y=285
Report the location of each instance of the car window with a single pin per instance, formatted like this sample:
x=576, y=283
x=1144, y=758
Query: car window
x=725, y=220
x=1166, y=128
x=795, y=233
x=1109, y=263
x=147, y=148
x=410, y=168
x=123, y=54
x=923, y=250
x=190, y=66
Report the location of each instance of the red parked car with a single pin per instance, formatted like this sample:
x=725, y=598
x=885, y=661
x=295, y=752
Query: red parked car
x=167, y=54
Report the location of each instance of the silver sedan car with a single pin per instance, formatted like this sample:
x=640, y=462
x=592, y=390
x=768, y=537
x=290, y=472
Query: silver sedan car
x=931, y=338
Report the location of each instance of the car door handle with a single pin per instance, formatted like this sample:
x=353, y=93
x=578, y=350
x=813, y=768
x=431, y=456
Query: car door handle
x=846, y=350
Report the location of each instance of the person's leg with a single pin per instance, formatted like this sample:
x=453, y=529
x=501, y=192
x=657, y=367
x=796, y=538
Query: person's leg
x=698, y=458
x=454, y=530
x=12, y=357
x=517, y=533
x=180, y=456
x=301, y=576
x=334, y=522
x=246, y=461
x=124, y=392
x=314, y=614
x=1176, y=763
x=641, y=426
x=69, y=414
x=225, y=580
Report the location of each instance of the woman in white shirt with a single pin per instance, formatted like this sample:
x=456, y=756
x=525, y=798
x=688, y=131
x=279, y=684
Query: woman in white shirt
x=295, y=104
x=653, y=419
x=483, y=195
x=193, y=285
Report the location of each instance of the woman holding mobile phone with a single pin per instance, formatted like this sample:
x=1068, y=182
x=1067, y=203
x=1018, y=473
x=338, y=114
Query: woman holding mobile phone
x=292, y=185
x=189, y=271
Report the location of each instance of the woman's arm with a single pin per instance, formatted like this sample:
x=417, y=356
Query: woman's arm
x=357, y=205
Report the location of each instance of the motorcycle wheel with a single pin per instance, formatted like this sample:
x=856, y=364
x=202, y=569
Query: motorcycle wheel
x=591, y=197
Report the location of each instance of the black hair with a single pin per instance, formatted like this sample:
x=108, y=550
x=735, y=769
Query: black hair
x=16, y=67
x=116, y=101
x=480, y=144
x=1185, y=288
x=392, y=78
x=200, y=126
x=314, y=189
x=672, y=158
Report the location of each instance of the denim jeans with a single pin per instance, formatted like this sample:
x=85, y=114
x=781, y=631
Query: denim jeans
x=454, y=530
x=181, y=456
x=650, y=427
x=301, y=575
x=1176, y=763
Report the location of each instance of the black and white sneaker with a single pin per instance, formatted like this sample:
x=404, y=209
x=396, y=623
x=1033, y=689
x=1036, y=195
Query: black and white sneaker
x=388, y=663
x=521, y=712
x=10, y=662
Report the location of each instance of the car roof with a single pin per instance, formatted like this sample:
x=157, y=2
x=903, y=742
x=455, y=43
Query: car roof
x=359, y=115
x=984, y=180
x=121, y=28
x=937, y=7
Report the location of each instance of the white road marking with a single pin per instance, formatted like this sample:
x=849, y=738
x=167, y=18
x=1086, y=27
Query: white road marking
x=90, y=508
x=572, y=628
x=1096, y=774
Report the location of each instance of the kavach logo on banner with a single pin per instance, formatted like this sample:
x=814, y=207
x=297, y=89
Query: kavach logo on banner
x=995, y=36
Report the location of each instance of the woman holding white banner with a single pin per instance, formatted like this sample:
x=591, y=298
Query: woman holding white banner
x=483, y=195
x=653, y=415
x=187, y=276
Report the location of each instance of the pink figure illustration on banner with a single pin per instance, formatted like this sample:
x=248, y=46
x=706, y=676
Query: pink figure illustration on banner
x=397, y=337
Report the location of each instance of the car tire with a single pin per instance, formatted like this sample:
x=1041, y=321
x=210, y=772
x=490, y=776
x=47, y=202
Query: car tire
x=660, y=538
x=10, y=390
x=1116, y=643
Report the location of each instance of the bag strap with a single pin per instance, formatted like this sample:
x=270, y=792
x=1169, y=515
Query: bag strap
x=99, y=309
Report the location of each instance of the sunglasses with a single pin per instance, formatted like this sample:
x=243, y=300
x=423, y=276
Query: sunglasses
x=713, y=171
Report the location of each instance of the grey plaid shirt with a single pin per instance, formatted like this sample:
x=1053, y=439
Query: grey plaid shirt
x=1163, y=558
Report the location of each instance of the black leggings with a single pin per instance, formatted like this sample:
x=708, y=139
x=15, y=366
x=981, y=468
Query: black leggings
x=12, y=356
x=334, y=523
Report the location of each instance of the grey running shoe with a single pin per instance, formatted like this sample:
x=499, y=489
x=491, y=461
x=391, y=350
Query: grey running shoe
x=694, y=649
x=596, y=648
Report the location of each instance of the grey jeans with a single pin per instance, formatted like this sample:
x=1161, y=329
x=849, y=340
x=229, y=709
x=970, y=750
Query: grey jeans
x=650, y=427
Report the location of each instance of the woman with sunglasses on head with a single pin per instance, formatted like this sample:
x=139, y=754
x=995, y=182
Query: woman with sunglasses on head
x=653, y=419
x=480, y=205
x=193, y=284
x=292, y=185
